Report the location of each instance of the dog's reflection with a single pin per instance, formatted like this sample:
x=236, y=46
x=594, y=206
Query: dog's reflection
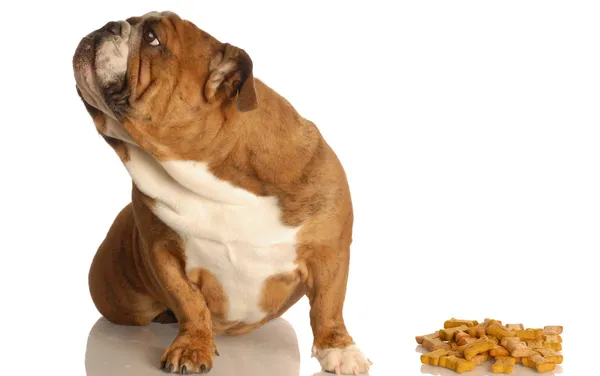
x=116, y=350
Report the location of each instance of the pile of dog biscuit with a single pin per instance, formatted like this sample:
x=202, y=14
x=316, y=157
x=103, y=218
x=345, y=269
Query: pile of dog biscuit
x=464, y=344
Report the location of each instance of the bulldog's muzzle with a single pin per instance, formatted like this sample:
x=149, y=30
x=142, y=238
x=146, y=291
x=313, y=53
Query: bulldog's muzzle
x=100, y=66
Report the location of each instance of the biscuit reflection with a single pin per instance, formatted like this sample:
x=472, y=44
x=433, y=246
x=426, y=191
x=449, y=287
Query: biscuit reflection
x=133, y=350
x=484, y=369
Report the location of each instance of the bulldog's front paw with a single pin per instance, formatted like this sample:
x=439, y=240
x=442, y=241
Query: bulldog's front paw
x=347, y=361
x=189, y=353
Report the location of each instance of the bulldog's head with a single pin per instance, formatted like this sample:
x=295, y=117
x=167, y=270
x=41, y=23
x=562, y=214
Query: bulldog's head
x=157, y=79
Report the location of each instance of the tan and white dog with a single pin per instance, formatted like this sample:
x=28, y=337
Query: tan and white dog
x=239, y=207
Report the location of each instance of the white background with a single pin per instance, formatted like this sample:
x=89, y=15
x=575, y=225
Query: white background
x=469, y=131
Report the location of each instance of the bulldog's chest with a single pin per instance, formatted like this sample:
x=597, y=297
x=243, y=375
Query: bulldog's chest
x=235, y=235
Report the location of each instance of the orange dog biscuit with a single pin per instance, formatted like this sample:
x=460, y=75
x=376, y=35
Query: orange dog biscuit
x=553, y=329
x=433, y=358
x=540, y=363
x=448, y=334
x=529, y=334
x=433, y=344
x=478, y=346
x=453, y=323
x=552, y=338
x=499, y=350
x=481, y=358
x=553, y=345
x=550, y=354
x=463, y=338
x=431, y=335
x=515, y=326
x=498, y=331
x=477, y=331
x=535, y=344
x=516, y=347
x=456, y=364
x=504, y=364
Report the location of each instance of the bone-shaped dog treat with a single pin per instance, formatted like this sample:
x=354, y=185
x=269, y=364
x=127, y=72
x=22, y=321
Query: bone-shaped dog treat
x=529, y=334
x=433, y=358
x=550, y=354
x=498, y=331
x=540, y=363
x=516, y=347
x=432, y=344
x=503, y=364
x=462, y=338
x=481, y=358
x=430, y=336
x=499, y=350
x=487, y=320
x=552, y=338
x=535, y=344
x=556, y=346
x=515, y=326
x=477, y=331
x=554, y=329
x=453, y=323
x=461, y=349
x=448, y=334
x=478, y=346
x=456, y=364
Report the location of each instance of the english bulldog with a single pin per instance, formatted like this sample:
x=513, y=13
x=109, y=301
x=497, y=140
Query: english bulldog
x=238, y=208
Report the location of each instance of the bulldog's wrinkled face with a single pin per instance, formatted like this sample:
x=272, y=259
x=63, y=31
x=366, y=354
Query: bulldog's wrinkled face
x=146, y=77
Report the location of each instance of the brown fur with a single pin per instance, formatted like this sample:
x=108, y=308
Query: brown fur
x=250, y=136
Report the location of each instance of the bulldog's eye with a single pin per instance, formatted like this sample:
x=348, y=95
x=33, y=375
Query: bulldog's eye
x=151, y=38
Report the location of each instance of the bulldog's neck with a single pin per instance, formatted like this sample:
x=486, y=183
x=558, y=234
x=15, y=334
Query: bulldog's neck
x=261, y=151
x=273, y=143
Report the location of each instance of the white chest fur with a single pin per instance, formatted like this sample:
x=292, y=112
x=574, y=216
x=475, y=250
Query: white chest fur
x=237, y=236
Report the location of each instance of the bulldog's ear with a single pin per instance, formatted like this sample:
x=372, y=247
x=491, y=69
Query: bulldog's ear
x=231, y=71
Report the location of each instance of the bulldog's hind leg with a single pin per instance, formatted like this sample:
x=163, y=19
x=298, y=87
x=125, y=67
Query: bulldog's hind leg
x=114, y=280
x=327, y=277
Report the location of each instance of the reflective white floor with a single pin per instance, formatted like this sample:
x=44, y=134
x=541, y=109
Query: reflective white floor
x=272, y=350
x=119, y=350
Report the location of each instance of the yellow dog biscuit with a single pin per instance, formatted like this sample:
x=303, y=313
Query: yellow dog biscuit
x=498, y=331
x=553, y=345
x=453, y=323
x=431, y=335
x=456, y=364
x=433, y=344
x=540, y=363
x=503, y=364
x=553, y=329
x=529, y=334
x=433, y=358
x=478, y=346
x=550, y=354
x=499, y=350
x=552, y=338
x=515, y=326
x=516, y=347
x=481, y=358
x=463, y=338
x=448, y=334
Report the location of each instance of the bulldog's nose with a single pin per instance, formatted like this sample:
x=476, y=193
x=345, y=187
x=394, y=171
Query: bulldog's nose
x=113, y=27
